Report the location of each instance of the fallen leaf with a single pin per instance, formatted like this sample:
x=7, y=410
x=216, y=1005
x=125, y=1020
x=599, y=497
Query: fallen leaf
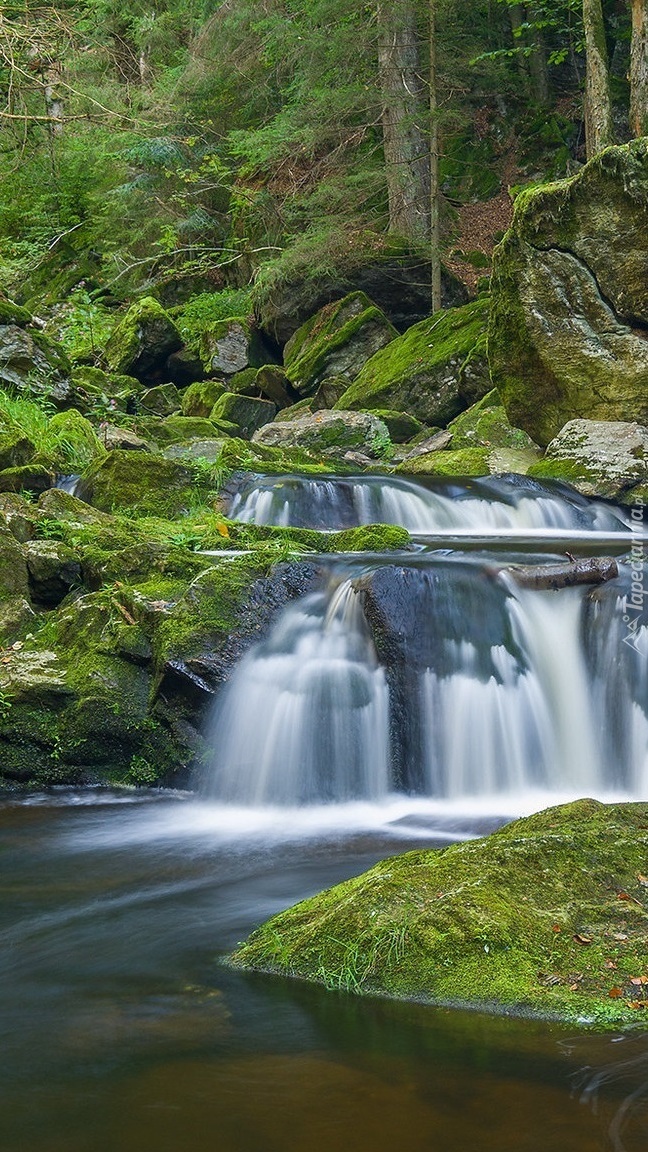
x=639, y=980
x=223, y=530
x=573, y=987
x=618, y=936
x=637, y=1003
x=18, y=645
x=557, y=928
x=611, y=964
x=624, y=896
x=615, y=993
x=582, y=939
x=642, y=880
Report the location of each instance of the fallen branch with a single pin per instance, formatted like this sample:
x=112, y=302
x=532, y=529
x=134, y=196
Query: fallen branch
x=591, y=570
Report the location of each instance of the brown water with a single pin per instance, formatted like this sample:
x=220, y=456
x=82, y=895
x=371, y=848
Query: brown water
x=121, y=1032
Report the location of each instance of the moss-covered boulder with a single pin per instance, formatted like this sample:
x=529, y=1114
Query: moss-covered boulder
x=98, y=392
x=175, y=429
x=53, y=570
x=273, y=383
x=329, y=434
x=74, y=442
x=598, y=458
x=433, y=372
x=245, y=413
x=337, y=341
x=11, y=313
x=13, y=567
x=400, y=425
x=570, y=299
x=143, y=339
x=549, y=915
x=34, y=478
x=199, y=398
x=138, y=482
x=162, y=400
x=463, y=462
x=230, y=346
x=486, y=425
x=15, y=450
x=31, y=363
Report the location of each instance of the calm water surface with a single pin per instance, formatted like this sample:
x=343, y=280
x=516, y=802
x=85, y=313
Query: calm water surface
x=121, y=1032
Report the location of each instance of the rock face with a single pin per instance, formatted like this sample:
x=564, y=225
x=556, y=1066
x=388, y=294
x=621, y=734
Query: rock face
x=599, y=458
x=569, y=317
x=30, y=362
x=329, y=434
x=231, y=346
x=528, y=918
x=433, y=372
x=143, y=340
x=337, y=341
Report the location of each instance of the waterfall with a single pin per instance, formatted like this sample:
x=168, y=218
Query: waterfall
x=438, y=676
x=488, y=506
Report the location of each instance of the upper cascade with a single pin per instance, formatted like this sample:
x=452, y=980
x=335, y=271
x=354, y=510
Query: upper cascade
x=496, y=505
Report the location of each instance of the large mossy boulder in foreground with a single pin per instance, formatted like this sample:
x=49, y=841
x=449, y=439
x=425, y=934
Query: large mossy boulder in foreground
x=139, y=482
x=569, y=313
x=337, y=341
x=433, y=372
x=598, y=458
x=549, y=915
x=31, y=363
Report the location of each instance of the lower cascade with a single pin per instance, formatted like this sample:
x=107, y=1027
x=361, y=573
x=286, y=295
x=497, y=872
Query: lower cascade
x=436, y=678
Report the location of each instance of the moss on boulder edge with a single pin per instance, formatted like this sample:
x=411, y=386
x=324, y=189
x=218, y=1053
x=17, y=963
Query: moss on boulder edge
x=337, y=341
x=570, y=299
x=528, y=919
x=432, y=372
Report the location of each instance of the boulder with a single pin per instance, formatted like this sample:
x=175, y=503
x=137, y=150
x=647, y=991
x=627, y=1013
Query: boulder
x=329, y=434
x=11, y=313
x=137, y=481
x=272, y=381
x=527, y=920
x=18, y=515
x=433, y=372
x=337, y=341
x=32, y=363
x=400, y=425
x=230, y=346
x=387, y=270
x=74, y=442
x=184, y=367
x=15, y=450
x=486, y=425
x=13, y=567
x=177, y=428
x=598, y=458
x=53, y=570
x=163, y=400
x=199, y=398
x=17, y=618
x=245, y=413
x=569, y=318
x=111, y=436
x=192, y=450
x=29, y=478
x=143, y=340
x=96, y=391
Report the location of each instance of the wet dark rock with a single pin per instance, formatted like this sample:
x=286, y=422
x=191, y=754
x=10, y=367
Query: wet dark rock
x=53, y=570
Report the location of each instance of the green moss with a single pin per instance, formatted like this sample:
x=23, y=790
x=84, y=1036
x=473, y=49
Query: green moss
x=244, y=383
x=486, y=425
x=143, y=338
x=178, y=428
x=11, y=313
x=465, y=462
x=199, y=398
x=570, y=471
x=527, y=919
x=74, y=442
x=401, y=426
x=431, y=371
x=29, y=478
x=141, y=483
x=244, y=412
x=338, y=340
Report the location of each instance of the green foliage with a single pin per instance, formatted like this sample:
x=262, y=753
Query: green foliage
x=208, y=307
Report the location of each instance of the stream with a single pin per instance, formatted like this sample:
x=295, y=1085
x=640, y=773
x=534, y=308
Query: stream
x=411, y=701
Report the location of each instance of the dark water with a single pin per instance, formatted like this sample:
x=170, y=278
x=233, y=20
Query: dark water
x=120, y=1030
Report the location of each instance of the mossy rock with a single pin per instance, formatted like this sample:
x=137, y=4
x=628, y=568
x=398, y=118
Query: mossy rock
x=433, y=372
x=11, y=313
x=598, y=458
x=13, y=567
x=15, y=450
x=244, y=383
x=76, y=443
x=486, y=425
x=199, y=398
x=527, y=919
x=464, y=462
x=245, y=413
x=329, y=433
x=337, y=341
x=94, y=389
x=570, y=299
x=162, y=400
x=138, y=482
x=33, y=478
x=175, y=429
x=230, y=346
x=32, y=364
x=401, y=426
x=142, y=340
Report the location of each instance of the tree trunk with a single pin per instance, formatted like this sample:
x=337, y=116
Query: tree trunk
x=538, y=61
x=404, y=142
x=435, y=228
x=599, y=132
x=595, y=570
x=639, y=69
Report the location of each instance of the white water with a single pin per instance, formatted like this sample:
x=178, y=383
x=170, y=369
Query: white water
x=308, y=717
x=496, y=506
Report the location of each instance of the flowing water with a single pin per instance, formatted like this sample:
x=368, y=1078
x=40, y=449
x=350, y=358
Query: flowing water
x=412, y=700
